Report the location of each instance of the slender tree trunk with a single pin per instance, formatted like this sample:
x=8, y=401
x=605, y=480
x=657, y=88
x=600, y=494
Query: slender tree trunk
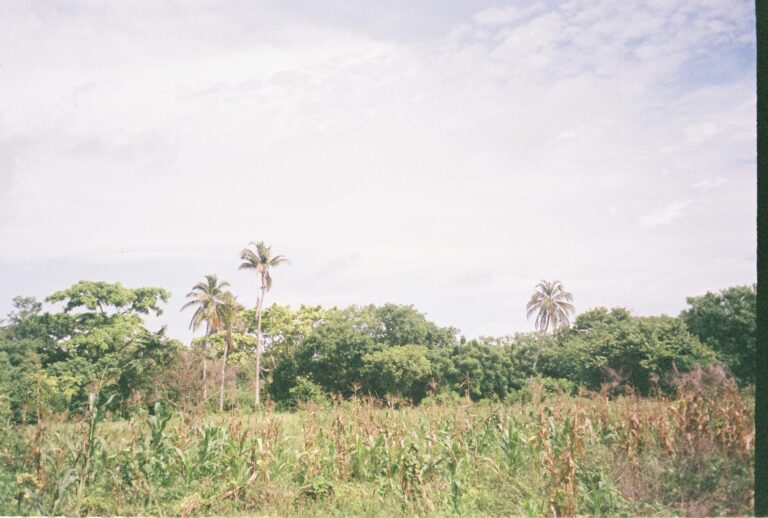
x=538, y=352
x=259, y=304
x=205, y=379
x=224, y=370
x=205, y=363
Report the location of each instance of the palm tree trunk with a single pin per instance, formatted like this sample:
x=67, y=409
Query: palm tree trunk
x=257, y=396
x=224, y=370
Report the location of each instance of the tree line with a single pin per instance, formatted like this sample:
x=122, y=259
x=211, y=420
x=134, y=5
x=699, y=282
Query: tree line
x=93, y=340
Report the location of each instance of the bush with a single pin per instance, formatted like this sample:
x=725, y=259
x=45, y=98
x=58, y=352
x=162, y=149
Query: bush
x=542, y=387
x=445, y=397
x=317, y=489
x=306, y=391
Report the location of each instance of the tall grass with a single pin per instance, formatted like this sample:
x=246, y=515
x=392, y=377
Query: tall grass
x=691, y=455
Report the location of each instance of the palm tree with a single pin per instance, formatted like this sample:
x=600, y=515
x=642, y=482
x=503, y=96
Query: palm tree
x=554, y=306
x=230, y=318
x=261, y=260
x=207, y=298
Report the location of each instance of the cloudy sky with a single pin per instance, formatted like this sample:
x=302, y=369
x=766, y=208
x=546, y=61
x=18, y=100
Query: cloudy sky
x=443, y=154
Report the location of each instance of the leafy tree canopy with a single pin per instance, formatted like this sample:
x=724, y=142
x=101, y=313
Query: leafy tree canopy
x=613, y=346
x=98, y=340
x=284, y=328
x=401, y=369
x=100, y=295
x=23, y=309
x=242, y=349
x=402, y=325
x=333, y=351
x=726, y=321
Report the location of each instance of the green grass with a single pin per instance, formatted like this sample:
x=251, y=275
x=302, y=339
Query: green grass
x=564, y=456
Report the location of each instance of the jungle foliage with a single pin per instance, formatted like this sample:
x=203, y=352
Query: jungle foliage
x=92, y=339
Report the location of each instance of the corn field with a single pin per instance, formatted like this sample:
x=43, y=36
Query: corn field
x=556, y=456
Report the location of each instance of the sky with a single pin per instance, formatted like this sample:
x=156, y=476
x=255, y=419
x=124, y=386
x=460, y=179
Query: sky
x=448, y=155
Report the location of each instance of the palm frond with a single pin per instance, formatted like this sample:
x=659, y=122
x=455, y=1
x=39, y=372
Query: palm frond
x=262, y=261
x=206, y=297
x=551, y=304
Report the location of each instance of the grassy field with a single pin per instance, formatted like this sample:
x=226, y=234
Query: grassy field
x=690, y=455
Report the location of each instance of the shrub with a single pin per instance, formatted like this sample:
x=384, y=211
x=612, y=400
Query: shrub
x=542, y=387
x=306, y=391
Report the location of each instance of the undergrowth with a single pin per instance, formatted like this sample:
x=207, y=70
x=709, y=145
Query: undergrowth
x=691, y=454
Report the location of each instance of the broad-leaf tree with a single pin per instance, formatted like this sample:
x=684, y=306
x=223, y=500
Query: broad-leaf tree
x=617, y=348
x=283, y=329
x=261, y=260
x=207, y=298
x=404, y=325
x=101, y=340
x=726, y=322
x=338, y=352
x=400, y=370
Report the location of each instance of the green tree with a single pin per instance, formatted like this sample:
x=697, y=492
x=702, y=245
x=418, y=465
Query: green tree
x=260, y=260
x=22, y=373
x=208, y=300
x=100, y=339
x=402, y=369
x=332, y=354
x=331, y=345
x=24, y=308
x=479, y=370
x=111, y=298
x=522, y=350
x=614, y=347
x=29, y=348
x=726, y=321
x=552, y=306
x=403, y=325
x=283, y=328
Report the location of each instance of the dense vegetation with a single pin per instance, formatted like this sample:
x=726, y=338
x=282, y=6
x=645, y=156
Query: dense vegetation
x=97, y=343
x=371, y=408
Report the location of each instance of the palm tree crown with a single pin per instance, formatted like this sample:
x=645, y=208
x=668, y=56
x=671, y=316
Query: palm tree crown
x=262, y=261
x=208, y=298
x=553, y=305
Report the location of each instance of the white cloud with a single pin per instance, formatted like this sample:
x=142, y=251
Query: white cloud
x=698, y=133
x=664, y=215
x=707, y=184
x=504, y=15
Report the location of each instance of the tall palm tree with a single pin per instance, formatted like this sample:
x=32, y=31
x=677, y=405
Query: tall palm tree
x=261, y=260
x=207, y=299
x=553, y=306
x=231, y=321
